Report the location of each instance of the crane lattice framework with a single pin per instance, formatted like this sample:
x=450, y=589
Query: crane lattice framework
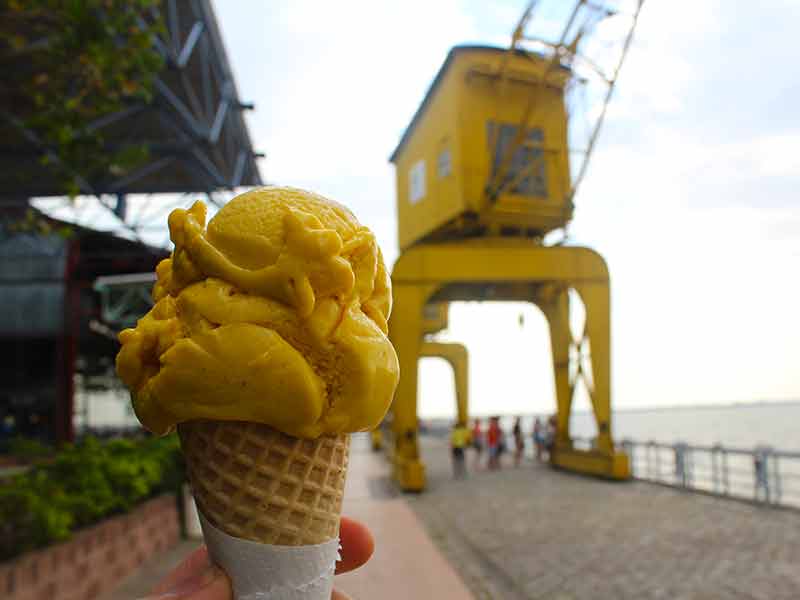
x=487, y=168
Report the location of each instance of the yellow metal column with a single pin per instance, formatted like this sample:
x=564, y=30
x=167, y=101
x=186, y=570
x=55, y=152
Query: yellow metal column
x=595, y=298
x=553, y=300
x=405, y=330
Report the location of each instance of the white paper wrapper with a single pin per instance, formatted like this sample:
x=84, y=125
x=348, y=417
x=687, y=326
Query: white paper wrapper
x=267, y=572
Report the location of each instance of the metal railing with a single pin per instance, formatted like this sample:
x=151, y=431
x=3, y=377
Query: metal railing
x=762, y=474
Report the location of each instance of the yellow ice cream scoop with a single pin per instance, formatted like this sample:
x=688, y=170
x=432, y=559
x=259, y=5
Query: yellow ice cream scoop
x=275, y=313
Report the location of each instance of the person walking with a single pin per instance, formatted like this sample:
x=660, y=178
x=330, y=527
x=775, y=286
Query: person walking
x=550, y=435
x=459, y=439
x=519, y=441
x=477, y=442
x=538, y=438
x=493, y=435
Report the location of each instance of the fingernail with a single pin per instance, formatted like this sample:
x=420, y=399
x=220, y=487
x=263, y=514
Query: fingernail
x=189, y=586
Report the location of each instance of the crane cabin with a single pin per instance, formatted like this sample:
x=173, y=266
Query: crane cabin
x=486, y=153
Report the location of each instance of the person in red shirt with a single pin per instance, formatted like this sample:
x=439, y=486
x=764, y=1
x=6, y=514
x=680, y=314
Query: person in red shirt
x=477, y=442
x=493, y=435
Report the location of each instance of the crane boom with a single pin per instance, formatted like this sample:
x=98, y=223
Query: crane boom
x=578, y=38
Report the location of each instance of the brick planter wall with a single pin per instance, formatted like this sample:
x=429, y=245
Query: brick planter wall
x=93, y=560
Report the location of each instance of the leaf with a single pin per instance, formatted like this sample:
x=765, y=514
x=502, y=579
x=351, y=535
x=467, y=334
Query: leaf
x=84, y=73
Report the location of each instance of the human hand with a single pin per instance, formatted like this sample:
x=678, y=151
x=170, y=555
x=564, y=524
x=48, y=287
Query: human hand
x=197, y=578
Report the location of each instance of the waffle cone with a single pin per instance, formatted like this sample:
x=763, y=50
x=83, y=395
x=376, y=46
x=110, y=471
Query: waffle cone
x=256, y=483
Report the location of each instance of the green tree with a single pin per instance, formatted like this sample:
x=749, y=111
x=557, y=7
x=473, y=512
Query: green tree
x=66, y=63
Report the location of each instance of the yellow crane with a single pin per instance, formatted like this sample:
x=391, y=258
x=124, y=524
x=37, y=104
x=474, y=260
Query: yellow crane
x=489, y=166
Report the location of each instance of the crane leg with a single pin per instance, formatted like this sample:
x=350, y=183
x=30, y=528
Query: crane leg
x=405, y=329
x=455, y=354
x=554, y=303
x=596, y=300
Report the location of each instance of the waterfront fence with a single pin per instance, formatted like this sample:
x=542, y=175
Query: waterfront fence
x=762, y=474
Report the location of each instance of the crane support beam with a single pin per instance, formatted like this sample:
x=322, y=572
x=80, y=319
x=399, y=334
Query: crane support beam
x=456, y=355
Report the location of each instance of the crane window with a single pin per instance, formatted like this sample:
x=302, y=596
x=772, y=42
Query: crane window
x=444, y=164
x=524, y=174
x=416, y=182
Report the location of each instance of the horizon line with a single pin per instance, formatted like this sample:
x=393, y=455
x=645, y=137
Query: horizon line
x=632, y=409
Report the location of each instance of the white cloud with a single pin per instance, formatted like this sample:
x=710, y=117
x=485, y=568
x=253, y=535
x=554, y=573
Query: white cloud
x=769, y=155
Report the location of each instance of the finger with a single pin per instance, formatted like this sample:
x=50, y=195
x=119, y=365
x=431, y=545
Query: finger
x=337, y=595
x=357, y=545
x=192, y=566
x=211, y=584
x=218, y=589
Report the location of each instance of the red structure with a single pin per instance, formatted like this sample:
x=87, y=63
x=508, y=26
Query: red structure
x=50, y=324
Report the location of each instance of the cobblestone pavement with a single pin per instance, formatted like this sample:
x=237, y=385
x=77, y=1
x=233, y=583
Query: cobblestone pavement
x=532, y=532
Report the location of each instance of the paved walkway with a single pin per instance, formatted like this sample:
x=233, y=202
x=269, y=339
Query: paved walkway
x=406, y=563
x=533, y=532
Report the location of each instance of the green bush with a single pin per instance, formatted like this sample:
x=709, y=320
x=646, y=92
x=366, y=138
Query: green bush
x=28, y=449
x=81, y=485
x=29, y=519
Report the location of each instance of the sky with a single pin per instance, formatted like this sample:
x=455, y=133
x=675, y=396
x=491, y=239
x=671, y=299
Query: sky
x=691, y=195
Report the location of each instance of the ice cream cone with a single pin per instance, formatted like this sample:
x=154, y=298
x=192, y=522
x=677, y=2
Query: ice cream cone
x=256, y=483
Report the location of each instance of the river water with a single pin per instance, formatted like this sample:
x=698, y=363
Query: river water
x=744, y=425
